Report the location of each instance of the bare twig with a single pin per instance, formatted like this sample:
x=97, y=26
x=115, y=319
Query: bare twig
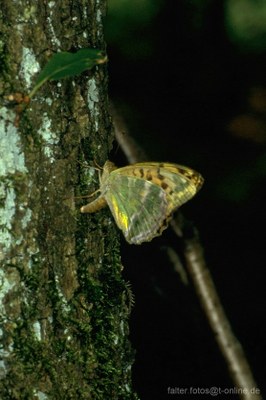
x=230, y=347
x=130, y=147
x=177, y=264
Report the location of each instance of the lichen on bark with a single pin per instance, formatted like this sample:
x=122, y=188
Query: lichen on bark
x=64, y=304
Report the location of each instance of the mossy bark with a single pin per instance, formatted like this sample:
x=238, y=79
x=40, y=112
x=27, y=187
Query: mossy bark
x=64, y=305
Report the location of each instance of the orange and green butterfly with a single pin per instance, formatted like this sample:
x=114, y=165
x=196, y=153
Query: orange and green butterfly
x=143, y=196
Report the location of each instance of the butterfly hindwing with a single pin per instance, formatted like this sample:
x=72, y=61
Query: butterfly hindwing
x=138, y=206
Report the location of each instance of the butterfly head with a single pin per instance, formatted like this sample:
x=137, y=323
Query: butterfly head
x=108, y=167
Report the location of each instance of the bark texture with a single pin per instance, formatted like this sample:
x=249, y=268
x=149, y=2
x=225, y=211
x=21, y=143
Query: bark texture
x=64, y=305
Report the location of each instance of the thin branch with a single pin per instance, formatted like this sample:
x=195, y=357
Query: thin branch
x=177, y=264
x=230, y=347
x=130, y=147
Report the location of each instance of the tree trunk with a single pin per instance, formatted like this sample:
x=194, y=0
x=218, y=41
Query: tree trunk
x=64, y=304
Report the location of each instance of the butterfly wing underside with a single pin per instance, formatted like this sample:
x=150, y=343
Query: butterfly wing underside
x=143, y=196
x=180, y=183
x=138, y=206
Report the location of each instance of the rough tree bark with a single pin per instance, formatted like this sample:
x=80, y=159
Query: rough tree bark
x=64, y=305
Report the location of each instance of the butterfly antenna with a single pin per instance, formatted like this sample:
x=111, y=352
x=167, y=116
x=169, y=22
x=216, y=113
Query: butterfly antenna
x=97, y=166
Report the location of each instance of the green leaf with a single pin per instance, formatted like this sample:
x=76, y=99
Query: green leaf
x=64, y=64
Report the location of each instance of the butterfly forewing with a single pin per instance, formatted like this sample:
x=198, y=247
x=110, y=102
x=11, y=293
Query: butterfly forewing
x=179, y=182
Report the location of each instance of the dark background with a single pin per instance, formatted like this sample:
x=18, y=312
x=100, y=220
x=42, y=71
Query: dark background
x=189, y=78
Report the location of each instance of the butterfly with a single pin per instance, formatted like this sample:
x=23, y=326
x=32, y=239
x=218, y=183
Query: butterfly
x=143, y=196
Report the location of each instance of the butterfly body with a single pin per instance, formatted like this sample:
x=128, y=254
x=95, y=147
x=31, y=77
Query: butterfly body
x=143, y=196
